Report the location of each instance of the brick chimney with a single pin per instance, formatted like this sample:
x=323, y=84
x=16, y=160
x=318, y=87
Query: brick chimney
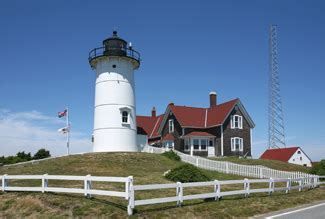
x=213, y=99
x=153, y=112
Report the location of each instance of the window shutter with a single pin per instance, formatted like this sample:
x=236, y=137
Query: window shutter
x=240, y=122
x=241, y=144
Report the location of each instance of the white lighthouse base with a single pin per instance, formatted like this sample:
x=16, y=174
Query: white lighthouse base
x=115, y=140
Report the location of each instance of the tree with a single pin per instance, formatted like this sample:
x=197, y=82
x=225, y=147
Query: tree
x=23, y=156
x=41, y=154
x=319, y=169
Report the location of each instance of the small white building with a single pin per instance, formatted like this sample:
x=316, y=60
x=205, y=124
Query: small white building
x=294, y=155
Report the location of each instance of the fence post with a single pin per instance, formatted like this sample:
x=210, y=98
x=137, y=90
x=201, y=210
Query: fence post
x=127, y=187
x=179, y=194
x=130, y=196
x=4, y=182
x=87, y=185
x=44, y=182
x=288, y=185
x=261, y=173
x=271, y=186
x=197, y=161
x=300, y=185
x=317, y=180
x=227, y=167
x=314, y=181
x=217, y=189
x=246, y=187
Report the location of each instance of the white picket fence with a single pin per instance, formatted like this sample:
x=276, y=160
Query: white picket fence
x=154, y=150
x=255, y=171
x=179, y=198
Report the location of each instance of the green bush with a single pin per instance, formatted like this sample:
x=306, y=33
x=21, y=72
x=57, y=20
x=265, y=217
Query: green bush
x=319, y=168
x=187, y=173
x=171, y=155
x=41, y=154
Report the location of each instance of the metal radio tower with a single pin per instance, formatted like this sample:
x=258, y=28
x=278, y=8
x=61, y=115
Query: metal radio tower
x=276, y=124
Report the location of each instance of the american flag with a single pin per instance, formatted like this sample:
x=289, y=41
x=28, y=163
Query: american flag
x=63, y=113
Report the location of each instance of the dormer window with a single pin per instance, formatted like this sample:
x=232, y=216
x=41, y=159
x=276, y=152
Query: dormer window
x=236, y=122
x=171, y=126
x=125, y=117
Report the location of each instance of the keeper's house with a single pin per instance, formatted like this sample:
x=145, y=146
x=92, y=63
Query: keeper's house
x=220, y=130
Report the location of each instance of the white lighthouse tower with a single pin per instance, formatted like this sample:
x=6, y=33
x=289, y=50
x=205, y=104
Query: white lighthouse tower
x=115, y=127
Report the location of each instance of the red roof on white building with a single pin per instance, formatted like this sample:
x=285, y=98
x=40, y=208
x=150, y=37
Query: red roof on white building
x=281, y=154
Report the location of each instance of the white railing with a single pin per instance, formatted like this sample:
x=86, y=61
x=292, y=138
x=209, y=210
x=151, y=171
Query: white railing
x=217, y=192
x=255, y=171
x=87, y=189
x=130, y=189
x=154, y=150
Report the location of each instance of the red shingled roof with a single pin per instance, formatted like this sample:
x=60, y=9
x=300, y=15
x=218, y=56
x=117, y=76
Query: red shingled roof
x=199, y=134
x=150, y=124
x=282, y=154
x=202, y=117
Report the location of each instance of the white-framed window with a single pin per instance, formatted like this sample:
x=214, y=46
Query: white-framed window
x=204, y=144
x=236, y=122
x=168, y=144
x=125, y=117
x=200, y=144
x=237, y=144
x=196, y=144
x=171, y=126
x=187, y=144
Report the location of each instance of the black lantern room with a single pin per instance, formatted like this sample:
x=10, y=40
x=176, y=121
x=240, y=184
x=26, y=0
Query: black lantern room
x=115, y=46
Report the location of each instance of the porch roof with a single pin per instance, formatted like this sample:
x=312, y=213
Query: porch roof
x=199, y=134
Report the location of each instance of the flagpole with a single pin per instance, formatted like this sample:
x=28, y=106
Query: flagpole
x=68, y=131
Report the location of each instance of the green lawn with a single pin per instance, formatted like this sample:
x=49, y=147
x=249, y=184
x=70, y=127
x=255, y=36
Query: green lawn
x=146, y=169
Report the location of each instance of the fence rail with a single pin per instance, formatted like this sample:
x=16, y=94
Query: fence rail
x=86, y=190
x=217, y=191
x=129, y=193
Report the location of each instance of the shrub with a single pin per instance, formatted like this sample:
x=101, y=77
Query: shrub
x=41, y=154
x=187, y=173
x=319, y=168
x=23, y=156
x=171, y=155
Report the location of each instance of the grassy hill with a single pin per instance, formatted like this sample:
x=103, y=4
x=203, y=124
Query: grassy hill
x=273, y=164
x=146, y=169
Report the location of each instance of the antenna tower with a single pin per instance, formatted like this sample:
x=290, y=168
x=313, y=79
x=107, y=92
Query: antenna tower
x=276, y=123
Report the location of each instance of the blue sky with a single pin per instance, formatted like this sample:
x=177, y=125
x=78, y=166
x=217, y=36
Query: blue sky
x=188, y=49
